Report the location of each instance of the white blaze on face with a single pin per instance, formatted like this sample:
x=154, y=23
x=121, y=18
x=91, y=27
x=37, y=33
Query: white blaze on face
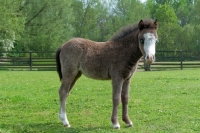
x=149, y=47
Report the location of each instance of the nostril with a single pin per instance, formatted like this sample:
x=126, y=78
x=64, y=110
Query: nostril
x=150, y=57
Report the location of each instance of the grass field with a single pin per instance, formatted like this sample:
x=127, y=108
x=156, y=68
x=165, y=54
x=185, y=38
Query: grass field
x=160, y=101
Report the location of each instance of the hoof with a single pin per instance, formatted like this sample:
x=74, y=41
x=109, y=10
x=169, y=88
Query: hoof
x=129, y=125
x=116, y=126
x=67, y=125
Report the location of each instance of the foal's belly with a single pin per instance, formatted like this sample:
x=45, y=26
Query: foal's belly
x=95, y=73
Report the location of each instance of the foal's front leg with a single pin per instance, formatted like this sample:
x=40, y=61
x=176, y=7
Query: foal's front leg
x=124, y=97
x=116, y=98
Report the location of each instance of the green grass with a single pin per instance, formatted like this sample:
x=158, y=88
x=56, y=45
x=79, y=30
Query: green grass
x=160, y=101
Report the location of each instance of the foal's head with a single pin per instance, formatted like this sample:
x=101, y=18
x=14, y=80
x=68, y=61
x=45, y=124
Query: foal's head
x=147, y=39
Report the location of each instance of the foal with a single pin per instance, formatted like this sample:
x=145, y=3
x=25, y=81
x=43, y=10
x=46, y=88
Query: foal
x=115, y=59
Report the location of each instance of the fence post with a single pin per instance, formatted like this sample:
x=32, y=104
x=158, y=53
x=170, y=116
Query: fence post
x=30, y=60
x=181, y=59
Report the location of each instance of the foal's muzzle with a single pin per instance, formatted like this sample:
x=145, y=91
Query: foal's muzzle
x=149, y=59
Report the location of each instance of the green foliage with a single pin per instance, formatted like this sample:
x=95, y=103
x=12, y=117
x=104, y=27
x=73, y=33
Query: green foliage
x=166, y=101
x=90, y=16
x=182, y=8
x=47, y=24
x=166, y=14
x=185, y=38
x=195, y=12
x=168, y=27
x=196, y=34
x=11, y=23
x=42, y=25
x=177, y=18
x=127, y=12
x=183, y=11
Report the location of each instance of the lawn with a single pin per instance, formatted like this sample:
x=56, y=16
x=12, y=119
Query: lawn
x=160, y=101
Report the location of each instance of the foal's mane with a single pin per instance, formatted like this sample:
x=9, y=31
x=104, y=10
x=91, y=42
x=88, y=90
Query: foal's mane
x=124, y=31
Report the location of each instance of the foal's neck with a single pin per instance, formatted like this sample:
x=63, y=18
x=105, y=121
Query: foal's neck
x=132, y=42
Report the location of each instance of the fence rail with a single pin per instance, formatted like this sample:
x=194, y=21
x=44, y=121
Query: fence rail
x=45, y=60
x=175, y=60
x=40, y=61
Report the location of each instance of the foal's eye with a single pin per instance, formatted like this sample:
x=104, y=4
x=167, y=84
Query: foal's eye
x=142, y=40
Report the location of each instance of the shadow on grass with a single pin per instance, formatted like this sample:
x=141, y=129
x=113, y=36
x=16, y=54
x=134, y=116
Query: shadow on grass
x=50, y=128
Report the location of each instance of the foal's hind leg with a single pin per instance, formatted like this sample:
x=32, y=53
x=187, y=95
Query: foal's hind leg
x=67, y=84
x=124, y=97
x=63, y=93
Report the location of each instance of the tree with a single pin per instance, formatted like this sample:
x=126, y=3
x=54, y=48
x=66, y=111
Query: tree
x=124, y=12
x=182, y=8
x=186, y=12
x=90, y=19
x=196, y=22
x=184, y=37
x=48, y=24
x=11, y=23
x=168, y=27
x=183, y=11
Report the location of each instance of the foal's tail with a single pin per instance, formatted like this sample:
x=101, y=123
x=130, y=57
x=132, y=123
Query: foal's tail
x=58, y=63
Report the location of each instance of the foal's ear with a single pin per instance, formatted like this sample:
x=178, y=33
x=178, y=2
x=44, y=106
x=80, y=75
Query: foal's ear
x=156, y=23
x=141, y=25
